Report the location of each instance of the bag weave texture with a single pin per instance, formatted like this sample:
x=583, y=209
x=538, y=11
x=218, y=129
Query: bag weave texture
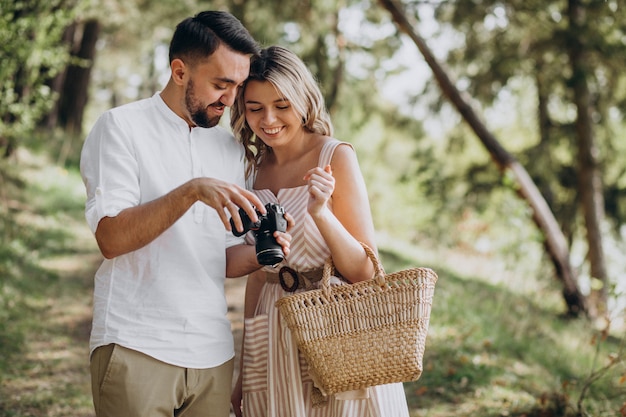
x=364, y=334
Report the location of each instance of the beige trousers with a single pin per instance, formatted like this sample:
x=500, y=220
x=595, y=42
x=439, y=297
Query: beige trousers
x=128, y=383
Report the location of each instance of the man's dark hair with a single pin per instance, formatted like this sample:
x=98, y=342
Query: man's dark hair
x=196, y=38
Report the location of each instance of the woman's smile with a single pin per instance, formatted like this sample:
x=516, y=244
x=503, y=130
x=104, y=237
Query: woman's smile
x=272, y=131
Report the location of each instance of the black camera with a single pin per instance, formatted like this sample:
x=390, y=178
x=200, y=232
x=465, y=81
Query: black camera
x=268, y=251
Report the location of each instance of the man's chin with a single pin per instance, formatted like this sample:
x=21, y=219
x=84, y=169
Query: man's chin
x=206, y=122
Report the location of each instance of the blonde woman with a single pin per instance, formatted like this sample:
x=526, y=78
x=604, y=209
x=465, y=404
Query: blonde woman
x=280, y=117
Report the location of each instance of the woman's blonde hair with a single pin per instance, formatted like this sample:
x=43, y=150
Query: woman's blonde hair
x=294, y=82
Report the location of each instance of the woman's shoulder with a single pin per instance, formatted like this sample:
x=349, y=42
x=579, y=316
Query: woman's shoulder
x=336, y=146
x=324, y=140
x=332, y=149
x=332, y=144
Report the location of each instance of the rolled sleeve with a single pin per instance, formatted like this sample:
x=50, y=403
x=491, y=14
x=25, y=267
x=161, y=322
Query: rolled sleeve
x=109, y=170
x=105, y=204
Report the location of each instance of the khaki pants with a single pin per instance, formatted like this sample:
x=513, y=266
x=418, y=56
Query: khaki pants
x=128, y=383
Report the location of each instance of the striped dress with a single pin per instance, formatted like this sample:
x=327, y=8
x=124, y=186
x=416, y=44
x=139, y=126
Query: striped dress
x=276, y=382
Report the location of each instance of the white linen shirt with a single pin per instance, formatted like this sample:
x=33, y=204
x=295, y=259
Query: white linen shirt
x=166, y=299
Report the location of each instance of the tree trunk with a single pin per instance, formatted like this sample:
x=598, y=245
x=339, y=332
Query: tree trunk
x=555, y=242
x=338, y=71
x=74, y=93
x=56, y=84
x=589, y=176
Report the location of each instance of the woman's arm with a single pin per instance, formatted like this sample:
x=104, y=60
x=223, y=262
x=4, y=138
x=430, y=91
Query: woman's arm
x=350, y=220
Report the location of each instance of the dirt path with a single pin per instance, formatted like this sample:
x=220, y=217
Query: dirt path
x=52, y=377
x=235, y=292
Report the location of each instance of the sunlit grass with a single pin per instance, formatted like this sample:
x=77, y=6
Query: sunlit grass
x=43, y=234
x=492, y=351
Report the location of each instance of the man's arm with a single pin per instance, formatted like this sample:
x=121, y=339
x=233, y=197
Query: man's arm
x=135, y=227
x=242, y=260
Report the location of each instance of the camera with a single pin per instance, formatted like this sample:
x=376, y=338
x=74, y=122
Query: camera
x=268, y=251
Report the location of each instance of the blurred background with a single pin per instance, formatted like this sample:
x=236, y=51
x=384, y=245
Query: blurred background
x=491, y=135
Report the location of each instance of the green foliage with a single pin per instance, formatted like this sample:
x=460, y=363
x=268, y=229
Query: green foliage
x=520, y=46
x=322, y=33
x=32, y=53
x=36, y=208
x=497, y=349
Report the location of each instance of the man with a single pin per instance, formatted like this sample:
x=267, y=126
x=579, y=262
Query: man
x=162, y=180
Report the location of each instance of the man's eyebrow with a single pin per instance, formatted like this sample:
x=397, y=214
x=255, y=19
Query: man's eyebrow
x=225, y=80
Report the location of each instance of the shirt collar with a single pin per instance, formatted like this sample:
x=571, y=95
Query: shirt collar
x=168, y=112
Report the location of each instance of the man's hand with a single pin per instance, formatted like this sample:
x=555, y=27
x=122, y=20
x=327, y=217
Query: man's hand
x=135, y=227
x=224, y=196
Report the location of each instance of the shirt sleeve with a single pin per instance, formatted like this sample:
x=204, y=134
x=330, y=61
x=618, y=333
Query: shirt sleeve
x=232, y=240
x=110, y=171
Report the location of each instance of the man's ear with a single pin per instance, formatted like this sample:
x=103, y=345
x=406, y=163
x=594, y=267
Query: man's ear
x=179, y=69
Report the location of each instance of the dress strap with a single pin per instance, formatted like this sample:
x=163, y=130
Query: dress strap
x=326, y=154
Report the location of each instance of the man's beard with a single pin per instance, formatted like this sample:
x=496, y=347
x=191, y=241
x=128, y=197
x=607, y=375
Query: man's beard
x=197, y=112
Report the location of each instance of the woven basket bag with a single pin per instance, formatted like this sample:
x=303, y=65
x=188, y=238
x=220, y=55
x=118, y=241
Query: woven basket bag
x=364, y=334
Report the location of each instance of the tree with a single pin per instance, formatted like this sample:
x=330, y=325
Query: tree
x=589, y=174
x=71, y=86
x=75, y=79
x=31, y=53
x=555, y=241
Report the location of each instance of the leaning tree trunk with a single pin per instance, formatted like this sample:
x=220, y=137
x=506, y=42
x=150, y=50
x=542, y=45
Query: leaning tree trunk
x=589, y=177
x=555, y=242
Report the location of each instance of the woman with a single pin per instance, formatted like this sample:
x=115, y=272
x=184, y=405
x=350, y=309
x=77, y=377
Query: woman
x=280, y=117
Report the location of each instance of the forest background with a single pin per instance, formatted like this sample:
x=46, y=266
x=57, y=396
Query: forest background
x=491, y=136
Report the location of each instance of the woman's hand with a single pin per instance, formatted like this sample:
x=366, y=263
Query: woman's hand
x=284, y=238
x=321, y=185
x=236, y=397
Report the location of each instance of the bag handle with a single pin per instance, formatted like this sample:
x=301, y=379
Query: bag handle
x=329, y=268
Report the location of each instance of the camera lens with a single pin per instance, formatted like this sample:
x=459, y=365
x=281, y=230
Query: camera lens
x=268, y=251
x=270, y=256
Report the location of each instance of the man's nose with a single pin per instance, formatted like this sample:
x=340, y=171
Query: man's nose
x=228, y=98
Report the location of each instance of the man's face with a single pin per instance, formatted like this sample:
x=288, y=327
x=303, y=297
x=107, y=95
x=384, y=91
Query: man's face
x=199, y=113
x=212, y=85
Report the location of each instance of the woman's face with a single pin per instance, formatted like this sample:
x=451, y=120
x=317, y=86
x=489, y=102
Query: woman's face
x=270, y=116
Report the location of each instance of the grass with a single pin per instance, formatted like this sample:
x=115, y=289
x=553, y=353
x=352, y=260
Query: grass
x=46, y=262
x=492, y=351
x=497, y=345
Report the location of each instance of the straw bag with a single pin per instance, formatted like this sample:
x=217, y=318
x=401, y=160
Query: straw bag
x=364, y=334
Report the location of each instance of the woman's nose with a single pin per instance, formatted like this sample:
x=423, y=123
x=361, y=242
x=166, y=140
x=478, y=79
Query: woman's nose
x=269, y=116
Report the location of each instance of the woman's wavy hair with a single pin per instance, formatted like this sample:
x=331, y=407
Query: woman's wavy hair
x=294, y=82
